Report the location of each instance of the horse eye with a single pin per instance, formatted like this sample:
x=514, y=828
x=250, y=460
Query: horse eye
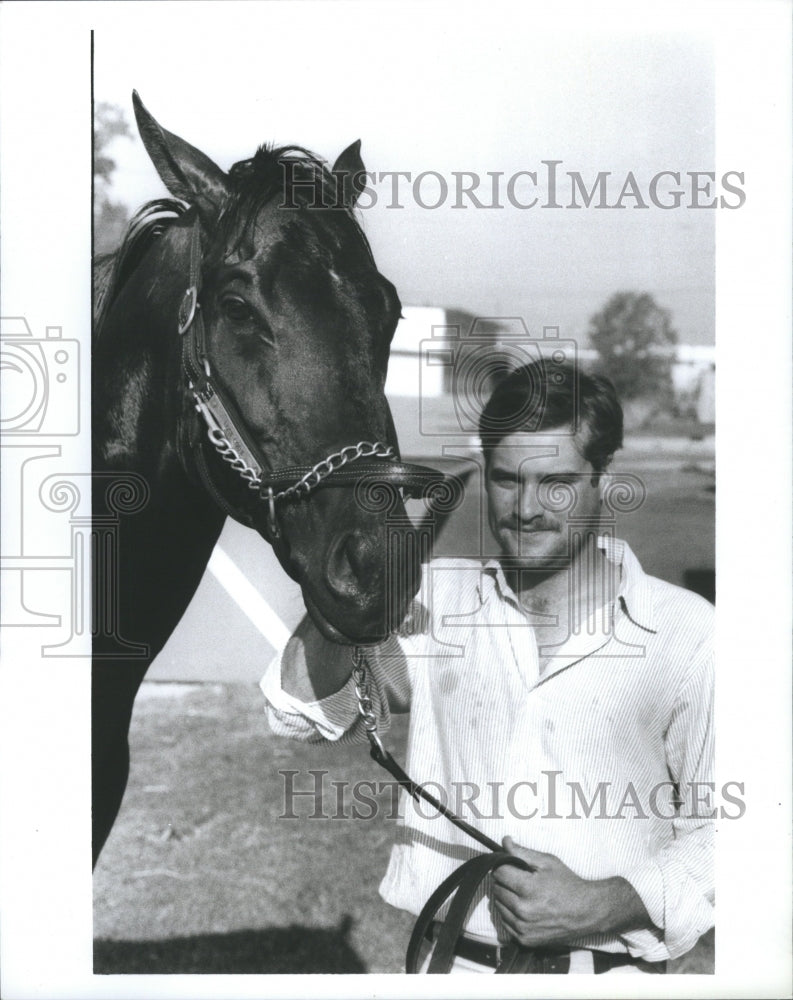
x=236, y=308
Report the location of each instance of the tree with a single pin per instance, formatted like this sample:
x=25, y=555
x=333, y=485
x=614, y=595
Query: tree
x=635, y=340
x=110, y=217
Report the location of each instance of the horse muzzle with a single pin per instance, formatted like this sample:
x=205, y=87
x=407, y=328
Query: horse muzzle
x=355, y=552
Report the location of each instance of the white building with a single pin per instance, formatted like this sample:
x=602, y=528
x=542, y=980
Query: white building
x=418, y=323
x=691, y=360
x=434, y=348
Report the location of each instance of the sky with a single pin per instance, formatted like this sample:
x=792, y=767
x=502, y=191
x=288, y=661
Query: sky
x=448, y=89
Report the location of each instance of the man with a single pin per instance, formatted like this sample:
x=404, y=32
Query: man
x=560, y=698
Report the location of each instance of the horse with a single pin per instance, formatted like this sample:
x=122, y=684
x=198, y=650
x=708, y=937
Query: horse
x=240, y=346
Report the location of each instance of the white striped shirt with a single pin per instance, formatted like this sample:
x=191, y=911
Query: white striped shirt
x=583, y=760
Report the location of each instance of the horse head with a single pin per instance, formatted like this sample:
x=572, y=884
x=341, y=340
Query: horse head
x=295, y=327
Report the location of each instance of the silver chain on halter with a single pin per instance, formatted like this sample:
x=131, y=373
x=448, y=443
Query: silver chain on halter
x=365, y=706
x=306, y=483
x=228, y=454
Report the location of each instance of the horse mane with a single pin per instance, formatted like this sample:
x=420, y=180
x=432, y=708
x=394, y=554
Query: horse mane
x=253, y=183
x=111, y=271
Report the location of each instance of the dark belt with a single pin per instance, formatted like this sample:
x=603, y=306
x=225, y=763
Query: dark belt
x=549, y=962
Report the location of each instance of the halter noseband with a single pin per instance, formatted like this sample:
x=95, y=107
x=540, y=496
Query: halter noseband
x=229, y=436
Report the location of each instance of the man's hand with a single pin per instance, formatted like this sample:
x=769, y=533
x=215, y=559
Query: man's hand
x=313, y=667
x=551, y=905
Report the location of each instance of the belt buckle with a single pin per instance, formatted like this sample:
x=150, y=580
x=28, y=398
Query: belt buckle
x=556, y=963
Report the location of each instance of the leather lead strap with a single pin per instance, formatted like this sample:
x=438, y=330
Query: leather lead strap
x=464, y=881
x=384, y=759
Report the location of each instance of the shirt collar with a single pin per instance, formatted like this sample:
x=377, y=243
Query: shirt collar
x=634, y=594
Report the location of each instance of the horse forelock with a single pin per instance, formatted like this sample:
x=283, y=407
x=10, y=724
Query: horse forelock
x=279, y=170
x=294, y=175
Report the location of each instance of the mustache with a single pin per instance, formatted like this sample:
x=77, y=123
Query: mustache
x=514, y=524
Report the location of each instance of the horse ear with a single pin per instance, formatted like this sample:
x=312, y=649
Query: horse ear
x=351, y=172
x=186, y=171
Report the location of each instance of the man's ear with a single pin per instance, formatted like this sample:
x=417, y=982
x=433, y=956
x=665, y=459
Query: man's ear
x=603, y=480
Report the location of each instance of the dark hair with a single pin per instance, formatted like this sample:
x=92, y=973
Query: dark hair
x=544, y=396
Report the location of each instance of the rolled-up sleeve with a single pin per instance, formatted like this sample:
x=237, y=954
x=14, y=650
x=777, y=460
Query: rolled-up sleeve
x=336, y=718
x=677, y=884
x=310, y=721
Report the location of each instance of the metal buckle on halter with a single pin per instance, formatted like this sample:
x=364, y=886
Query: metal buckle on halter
x=272, y=520
x=187, y=309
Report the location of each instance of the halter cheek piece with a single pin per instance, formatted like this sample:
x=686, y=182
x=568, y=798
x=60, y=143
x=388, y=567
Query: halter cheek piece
x=231, y=439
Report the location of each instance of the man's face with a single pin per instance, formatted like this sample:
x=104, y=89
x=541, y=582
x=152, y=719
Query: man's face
x=530, y=476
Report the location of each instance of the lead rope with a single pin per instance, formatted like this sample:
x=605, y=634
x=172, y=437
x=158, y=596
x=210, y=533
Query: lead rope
x=384, y=758
x=464, y=882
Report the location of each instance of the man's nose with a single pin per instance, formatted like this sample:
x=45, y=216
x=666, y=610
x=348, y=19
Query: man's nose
x=529, y=506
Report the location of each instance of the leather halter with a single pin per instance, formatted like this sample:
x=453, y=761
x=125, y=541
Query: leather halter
x=227, y=432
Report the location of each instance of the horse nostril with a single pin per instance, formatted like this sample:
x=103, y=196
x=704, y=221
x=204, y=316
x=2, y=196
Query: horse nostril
x=349, y=565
